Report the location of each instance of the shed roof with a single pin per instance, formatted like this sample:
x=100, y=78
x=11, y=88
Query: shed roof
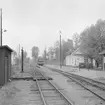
x=7, y=47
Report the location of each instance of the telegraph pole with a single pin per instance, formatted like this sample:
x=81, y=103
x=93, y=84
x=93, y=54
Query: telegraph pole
x=22, y=63
x=1, y=30
x=60, y=52
x=1, y=26
x=19, y=55
x=19, y=51
x=45, y=54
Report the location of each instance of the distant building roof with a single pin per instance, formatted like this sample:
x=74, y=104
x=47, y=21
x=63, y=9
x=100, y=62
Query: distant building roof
x=77, y=52
x=69, y=52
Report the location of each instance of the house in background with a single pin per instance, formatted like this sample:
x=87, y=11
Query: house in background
x=76, y=57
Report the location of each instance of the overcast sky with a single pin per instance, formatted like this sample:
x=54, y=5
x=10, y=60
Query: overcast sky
x=37, y=22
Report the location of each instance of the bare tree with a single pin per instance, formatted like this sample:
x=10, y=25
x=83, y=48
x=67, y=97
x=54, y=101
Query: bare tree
x=76, y=40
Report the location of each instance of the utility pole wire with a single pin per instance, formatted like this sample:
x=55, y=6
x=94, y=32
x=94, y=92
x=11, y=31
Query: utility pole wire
x=60, y=51
x=45, y=54
x=1, y=26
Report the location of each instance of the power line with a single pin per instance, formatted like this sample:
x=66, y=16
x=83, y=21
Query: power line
x=1, y=26
x=60, y=51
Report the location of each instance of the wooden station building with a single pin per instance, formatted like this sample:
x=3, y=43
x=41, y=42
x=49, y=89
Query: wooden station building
x=5, y=64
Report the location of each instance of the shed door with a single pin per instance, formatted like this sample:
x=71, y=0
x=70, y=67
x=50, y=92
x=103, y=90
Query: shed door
x=6, y=69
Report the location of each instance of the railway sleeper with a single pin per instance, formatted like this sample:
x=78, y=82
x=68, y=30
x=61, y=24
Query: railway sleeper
x=53, y=98
x=42, y=79
x=50, y=89
x=56, y=102
x=22, y=78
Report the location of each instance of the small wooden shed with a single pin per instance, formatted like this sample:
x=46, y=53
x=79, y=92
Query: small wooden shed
x=5, y=64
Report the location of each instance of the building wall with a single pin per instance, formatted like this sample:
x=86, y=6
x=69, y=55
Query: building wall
x=77, y=60
x=9, y=65
x=67, y=60
x=73, y=60
x=5, y=65
x=2, y=73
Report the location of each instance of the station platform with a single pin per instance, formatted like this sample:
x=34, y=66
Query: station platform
x=93, y=74
x=21, y=90
x=18, y=92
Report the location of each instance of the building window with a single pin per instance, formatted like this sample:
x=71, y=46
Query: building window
x=77, y=58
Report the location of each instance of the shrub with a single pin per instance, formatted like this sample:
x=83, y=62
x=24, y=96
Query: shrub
x=81, y=65
x=89, y=65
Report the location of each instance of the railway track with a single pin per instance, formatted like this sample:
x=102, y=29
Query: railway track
x=49, y=93
x=95, y=87
x=92, y=82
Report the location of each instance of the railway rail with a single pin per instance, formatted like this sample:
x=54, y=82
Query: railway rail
x=92, y=82
x=50, y=94
x=95, y=87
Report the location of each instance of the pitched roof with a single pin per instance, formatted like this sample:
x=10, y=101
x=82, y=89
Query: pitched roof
x=75, y=51
x=78, y=51
x=7, y=47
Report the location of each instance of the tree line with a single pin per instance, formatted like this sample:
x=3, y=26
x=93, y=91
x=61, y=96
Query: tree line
x=91, y=41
